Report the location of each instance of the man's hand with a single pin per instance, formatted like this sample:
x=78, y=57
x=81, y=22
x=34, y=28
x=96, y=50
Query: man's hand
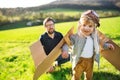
x=51, y=69
x=65, y=54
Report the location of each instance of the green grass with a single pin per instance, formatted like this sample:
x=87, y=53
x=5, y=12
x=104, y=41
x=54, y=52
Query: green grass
x=111, y=27
x=16, y=61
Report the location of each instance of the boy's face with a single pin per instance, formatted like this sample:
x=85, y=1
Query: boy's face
x=86, y=27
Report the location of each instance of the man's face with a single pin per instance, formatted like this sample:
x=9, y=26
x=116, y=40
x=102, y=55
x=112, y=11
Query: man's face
x=50, y=27
x=87, y=28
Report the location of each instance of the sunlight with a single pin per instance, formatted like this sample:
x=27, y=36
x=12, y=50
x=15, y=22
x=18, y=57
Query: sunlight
x=22, y=3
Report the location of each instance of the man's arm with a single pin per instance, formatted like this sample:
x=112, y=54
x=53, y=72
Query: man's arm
x=65, y=51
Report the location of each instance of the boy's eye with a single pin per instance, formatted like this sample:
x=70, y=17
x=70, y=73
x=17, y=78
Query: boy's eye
x=90, y=25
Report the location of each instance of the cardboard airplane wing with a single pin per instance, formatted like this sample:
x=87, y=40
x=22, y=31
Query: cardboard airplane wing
x=43, y=62
x=113, y=56
x=38, y=53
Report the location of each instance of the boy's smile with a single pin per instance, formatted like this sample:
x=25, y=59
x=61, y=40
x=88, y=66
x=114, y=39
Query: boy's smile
x=86, y=28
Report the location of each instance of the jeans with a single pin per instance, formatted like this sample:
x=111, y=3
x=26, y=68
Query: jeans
x=61, y=60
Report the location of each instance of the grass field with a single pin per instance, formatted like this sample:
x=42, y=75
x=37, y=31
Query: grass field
x=16, y=62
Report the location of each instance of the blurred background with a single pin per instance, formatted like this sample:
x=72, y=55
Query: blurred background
x=21, y=25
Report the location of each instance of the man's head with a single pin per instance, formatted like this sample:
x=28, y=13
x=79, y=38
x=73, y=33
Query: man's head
x=89, y=20
x=49, y=25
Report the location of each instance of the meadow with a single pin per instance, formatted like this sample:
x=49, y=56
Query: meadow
x=16, y=61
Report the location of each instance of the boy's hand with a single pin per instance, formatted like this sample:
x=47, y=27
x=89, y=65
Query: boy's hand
x=111, y=47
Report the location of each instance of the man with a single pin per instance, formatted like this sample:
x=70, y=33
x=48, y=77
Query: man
x=50, y=39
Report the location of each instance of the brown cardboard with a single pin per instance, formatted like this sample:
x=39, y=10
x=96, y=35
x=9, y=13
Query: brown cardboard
x=43, y=62
x=113, y=56
x=38, y=53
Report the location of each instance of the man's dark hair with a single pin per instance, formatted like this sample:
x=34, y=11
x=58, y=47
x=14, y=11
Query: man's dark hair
x=48, y=19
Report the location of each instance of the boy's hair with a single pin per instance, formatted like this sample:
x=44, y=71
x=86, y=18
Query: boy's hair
x=91, y=15
x=48, y=19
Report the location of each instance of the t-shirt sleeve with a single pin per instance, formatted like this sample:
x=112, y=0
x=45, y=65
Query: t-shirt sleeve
x=41, y=39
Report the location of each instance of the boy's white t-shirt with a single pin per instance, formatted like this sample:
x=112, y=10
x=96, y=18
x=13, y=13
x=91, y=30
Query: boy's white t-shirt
x=88, y=48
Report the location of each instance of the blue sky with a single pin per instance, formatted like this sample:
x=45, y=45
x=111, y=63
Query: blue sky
x=22, y=3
